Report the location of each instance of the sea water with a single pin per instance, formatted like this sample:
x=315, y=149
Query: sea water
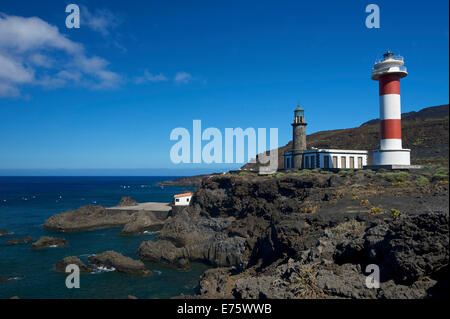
x=25, y=203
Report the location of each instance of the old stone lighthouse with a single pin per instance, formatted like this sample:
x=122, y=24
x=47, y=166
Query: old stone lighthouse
x=302, y=157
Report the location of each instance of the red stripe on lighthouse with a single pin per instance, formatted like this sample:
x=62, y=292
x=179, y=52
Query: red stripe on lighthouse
x=390, y=84
x=391, y=129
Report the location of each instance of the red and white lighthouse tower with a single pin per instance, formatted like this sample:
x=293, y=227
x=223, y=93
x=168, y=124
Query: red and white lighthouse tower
x=388, y=72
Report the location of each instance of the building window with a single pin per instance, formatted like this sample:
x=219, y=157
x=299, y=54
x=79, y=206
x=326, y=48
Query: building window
x=335, y=161
x=343, y=162
x=187, y=199
x=352, y=162
x=177, y=200
x=360, y=163
x=326, y=162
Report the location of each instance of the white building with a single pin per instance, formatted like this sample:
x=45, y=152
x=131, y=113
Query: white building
x=329, y=158
x=182, y=199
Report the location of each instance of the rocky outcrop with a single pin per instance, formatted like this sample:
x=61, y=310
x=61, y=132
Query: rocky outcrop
x=46, y=242
x=140, y=222
x=86, y=218
x=311, y=235
x=185, y=238
x=72, y=260
x=17, y=241
x=113, y=260
x=127, y=201
x=189, y=181
x=4, y=232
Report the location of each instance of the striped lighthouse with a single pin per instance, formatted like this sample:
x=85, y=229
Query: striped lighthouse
x=388, y=72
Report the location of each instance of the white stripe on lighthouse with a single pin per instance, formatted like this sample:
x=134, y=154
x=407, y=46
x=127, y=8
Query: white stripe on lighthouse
x=390, y=107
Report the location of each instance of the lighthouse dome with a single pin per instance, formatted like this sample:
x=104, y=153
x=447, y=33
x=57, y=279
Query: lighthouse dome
x=299, y=111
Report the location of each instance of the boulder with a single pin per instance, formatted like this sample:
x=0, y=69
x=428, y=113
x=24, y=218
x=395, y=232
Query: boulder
x=46, y=242
x=17, y=241
x=63, y=263
x=4, y=232
x=127, y=201
x=111, y=259
x=86, y=218
x=140, y=222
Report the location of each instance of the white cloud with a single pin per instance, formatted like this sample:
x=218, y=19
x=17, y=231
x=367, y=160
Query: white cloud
x=149, y=77
x=182, y=77
x=27, y=46
x=101, y=20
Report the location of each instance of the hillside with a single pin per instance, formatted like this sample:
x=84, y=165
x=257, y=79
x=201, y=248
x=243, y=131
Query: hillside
x=425, y=132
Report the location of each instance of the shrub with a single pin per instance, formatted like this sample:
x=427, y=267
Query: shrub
x=395, y=213
x=309, y=209
x=422, y=181
x=355, y=197
x=351, y=226
x=375, y=211
x=441, y=173
x=443, y=182
x=398, y=184
x=364, y=202
x=356, y=186
x=243, y=173
x=345, y=172
x=279, y=175
x=395, y=176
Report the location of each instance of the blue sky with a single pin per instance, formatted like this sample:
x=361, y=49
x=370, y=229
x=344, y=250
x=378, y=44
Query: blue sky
x=108, y=95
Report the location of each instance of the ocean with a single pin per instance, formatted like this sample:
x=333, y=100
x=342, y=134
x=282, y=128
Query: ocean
x=25, y=203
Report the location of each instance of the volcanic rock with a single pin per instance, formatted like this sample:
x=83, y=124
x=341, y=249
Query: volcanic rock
x=46, y=242
x=111, y=259
x=72, y=260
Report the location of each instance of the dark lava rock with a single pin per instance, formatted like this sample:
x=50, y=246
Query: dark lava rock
x=112, y=259
x=86, y=218
x=140, y=222
x=184, y=238
x=127, y=201
x=4, y=232
x=63, y=263
x=46, y=242
x=17, y=241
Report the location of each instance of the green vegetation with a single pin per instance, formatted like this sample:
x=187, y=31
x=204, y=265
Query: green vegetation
x=375, y=211
x=395, y=213
x=279, y=175
x=352, y=226
x=395, y=176
x=346, y=172
x=422, y=181
x=355, y=197
x=441, y=173
x=364, y=202
x=243, y=173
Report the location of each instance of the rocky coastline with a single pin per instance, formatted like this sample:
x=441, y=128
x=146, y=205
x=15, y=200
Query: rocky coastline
x=297, y=234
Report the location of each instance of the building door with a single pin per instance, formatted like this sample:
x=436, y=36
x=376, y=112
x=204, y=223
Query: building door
x=312, y=161
x=326, y=162
x=360, y=165
x=306, y=161
x=343, y=162
x=335, y=162
x=352, y=162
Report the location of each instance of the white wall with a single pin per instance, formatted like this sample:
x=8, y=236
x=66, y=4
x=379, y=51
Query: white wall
x=182, y=201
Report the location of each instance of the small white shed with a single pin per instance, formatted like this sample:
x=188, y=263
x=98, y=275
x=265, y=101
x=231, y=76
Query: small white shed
x=182, y=199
